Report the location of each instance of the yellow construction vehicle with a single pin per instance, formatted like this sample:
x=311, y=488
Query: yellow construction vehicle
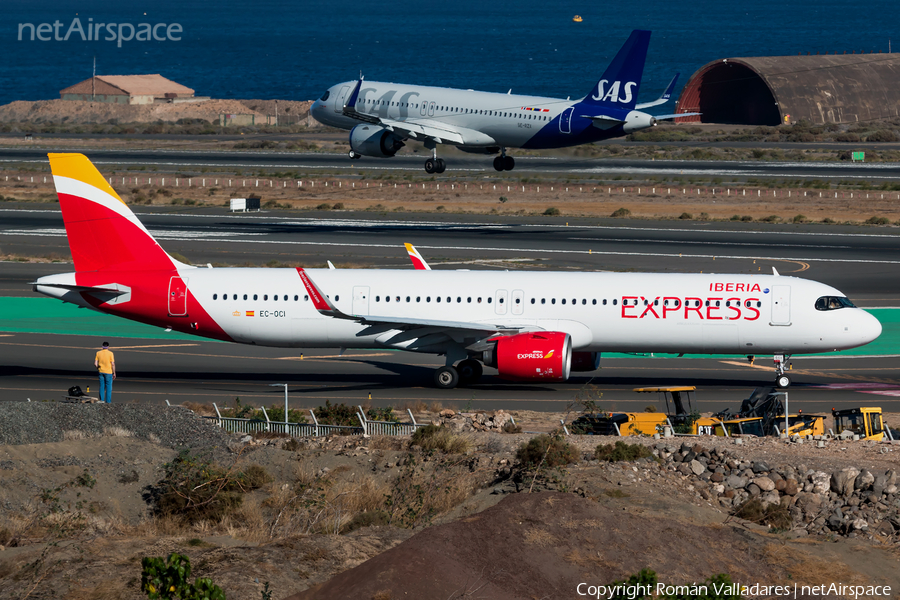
x=642, y=423
x=866, y=422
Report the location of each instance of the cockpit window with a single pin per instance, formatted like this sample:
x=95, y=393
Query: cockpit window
x=833, y=303
x=325, y=95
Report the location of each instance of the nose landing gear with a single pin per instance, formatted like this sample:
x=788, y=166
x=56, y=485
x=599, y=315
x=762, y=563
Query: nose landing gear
x=782, y=380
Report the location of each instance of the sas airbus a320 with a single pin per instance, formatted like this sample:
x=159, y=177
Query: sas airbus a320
x=529, y=326
x=381, y=117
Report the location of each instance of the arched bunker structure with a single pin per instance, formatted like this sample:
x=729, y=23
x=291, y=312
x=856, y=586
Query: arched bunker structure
x=770, y=90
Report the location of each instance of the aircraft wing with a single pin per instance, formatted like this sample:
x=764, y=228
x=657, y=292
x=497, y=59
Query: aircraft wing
x=662, y=99
x=325, y=307
x=667, y=117
x=418, y=128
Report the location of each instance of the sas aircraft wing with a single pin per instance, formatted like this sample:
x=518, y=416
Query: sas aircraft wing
x=662, y=99
x=419, y=129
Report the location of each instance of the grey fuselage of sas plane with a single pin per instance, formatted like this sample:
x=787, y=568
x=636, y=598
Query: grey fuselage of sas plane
x=382, y=116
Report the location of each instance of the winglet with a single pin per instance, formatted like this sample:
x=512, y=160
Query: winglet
x=774, y=272
x=416, y=258
x=319, y=300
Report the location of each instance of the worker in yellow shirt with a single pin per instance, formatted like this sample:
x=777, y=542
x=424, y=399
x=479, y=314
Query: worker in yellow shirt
x=105, y=362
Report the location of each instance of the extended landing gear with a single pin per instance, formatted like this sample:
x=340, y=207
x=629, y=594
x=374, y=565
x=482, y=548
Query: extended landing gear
x=466, y=372
x=354, y=155
x=782, y=380
x=504, y=162
x=435, y=164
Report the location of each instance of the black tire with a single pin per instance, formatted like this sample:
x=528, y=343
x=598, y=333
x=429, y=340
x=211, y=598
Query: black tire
x=498, y=163
x=509, y=163
x=469, y=371
x=354, y=156
x=782, y=382
x=430, y=167
x=446, y=378
x=440, y=165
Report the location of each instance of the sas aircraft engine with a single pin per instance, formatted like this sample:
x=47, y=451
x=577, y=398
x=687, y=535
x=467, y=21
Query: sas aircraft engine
x=541, y=355
x=637, y=120
x=371, y=140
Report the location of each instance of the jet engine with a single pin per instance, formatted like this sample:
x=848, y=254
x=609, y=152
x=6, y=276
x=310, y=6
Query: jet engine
x=543, y=355
x=637, y=120
x=371, y=140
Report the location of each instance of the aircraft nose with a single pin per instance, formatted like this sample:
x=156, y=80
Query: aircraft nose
x=870, y=328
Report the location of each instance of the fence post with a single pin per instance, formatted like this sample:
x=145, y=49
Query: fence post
x=362, y=421
x=315, y=420
x=218, y=414
x=563, y=423
x=411, y=417
x=266, y=415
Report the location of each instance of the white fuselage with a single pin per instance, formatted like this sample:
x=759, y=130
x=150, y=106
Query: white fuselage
x=611, y=312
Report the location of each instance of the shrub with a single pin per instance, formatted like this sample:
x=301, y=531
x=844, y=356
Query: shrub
x=686, y=216
x=324, y=206
x=337, y=414
x=338, y=206
x=622, y=212
x=510, y=427
x=438, y=437
x=735, y=217
x=169, y=579
x=195, y=489
x=882, y=135
x=621, y=451
x=828, y=220
x=551, y=212
x=776, y=515
x=799, y=219
x=771, y=219
x=503, y=199
x=551, y=451
x=746, y=218
x=877, y=221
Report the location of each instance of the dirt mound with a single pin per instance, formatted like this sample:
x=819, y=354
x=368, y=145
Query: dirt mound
x=71, y=111
x=544, y=545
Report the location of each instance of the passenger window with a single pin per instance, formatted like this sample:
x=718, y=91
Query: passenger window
x=387, y=298
x=717, y=303
x=407, y=298
x=479, y=300
x=553, y=301
x=532, y=300
x=245, y=296
x=584, y=301
x=437, y=298
x=265, y=296
x=418, y=298
x=458, y=299
x=296, y=297
x=489, y=299
x=656, y=302
x=215, y=296
x=604, y=302
x=469, y=299
x=255, y=296
x=305, y=298
x=500, y=301
x=336, y=298
x=397, y=299
x=275, y=298
x=377, y=298
x=449, y=299
x=563, y=300
x=427, y=298
x=615, y=301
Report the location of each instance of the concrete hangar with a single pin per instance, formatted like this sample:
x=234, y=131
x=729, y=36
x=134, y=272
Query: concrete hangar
x=771, y=90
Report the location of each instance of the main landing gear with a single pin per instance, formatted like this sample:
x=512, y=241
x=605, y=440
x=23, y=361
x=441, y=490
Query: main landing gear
x=354, y=155
x=504, y=162
x=782, y=380
x=466, y=372
x=435, y=164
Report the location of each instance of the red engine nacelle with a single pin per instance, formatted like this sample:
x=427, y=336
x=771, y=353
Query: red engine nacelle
x=545, y=355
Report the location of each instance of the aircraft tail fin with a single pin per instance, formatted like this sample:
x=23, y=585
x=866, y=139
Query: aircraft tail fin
x=104, y=234
x=621, y=82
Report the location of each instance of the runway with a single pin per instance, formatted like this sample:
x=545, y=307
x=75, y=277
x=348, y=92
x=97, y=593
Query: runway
x=860, y=261
x=460, y=164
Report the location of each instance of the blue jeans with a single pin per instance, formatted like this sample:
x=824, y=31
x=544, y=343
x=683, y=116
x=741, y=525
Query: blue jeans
x=106, y=380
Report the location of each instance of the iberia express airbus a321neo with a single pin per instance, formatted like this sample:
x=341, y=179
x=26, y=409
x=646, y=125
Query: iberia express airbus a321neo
x=382, y=116
x=530, y=326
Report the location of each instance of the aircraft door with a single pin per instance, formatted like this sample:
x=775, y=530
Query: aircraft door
x=431, y=109
x=340, y=99
x=518, y=302
x=360, y=300
x=781, y=305
x=500, y=302
x=565, y=120
x=177, y=297
x=424, y=110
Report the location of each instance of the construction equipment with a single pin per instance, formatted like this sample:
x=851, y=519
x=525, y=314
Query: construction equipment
x=642, y=423
x=866, y=422
x=678, y=395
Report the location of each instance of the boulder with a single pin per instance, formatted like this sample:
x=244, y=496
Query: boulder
x=764, y=484
x=753, y=489
x=859, y=524
x=820, y=481
x=736, y=482
x=717, y=477
x=697, y=467
x=791, y=488
x=760, y=467
x=842, y=482
x=863, y=480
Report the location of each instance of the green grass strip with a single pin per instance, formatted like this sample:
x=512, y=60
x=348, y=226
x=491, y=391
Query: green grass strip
x=47, y=315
